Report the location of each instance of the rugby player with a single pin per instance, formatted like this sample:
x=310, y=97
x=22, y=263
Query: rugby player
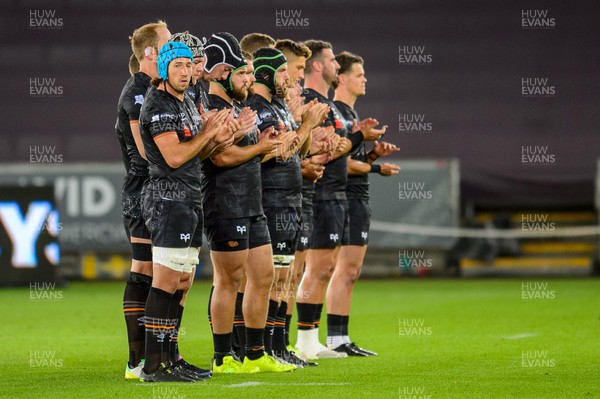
x=175, y=139
x=330, y=207
x=281, y=183
x=235, y=224
x=328, y=203
x=296, y=55
x=196, y=91
x=350, y=85
x=254, y=41
x=145, y=43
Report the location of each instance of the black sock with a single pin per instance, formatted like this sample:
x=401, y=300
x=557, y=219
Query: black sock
x=334, y=324
x=279, y=330
x=175, y=312
x=288, y=321
x=345, y=323
x=271, y=315
x=318, y=311
x=255, y=346
x=134, y=306
x=222, y=346
x=306, y=315
x=158, y=327
x=239, y=326
x=212, y=289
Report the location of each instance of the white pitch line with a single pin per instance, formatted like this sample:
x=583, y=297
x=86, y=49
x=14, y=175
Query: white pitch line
x=521, y=336
x=257, y=383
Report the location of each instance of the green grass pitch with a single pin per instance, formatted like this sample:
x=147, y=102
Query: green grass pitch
x=517, y=338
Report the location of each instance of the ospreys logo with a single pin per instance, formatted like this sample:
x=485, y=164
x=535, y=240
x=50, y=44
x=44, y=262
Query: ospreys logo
x=240, y=229
x=281, y=245
x=185, y=237
x=304, y=240
x=364, y=235
x=333, y=237
x=139, y=99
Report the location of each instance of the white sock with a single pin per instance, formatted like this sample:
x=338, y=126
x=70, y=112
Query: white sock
x=346, y=339
x=315, y=337
x=304, y=338
x=335, y=341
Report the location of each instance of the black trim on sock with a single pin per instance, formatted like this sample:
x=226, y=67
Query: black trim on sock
x=306, y=315
x=318, y=312
x=334, y=324
x=345, y=324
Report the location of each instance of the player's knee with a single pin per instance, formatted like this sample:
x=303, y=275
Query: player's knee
x=232, y=279
x=351, y=275
x=325, y=274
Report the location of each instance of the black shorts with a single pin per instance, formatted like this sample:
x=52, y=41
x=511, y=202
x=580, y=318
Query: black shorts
x=331, y=224
x=284, y=227
x=133, y=220
x=306, y=230
x=173, y=224
x=359, y=213
x=227, y=235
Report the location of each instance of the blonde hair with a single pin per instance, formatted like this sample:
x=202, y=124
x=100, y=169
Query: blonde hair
x=145, y=36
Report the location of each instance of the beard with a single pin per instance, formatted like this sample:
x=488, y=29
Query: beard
x=179, y=88
x=331, y=79
x=239, y=94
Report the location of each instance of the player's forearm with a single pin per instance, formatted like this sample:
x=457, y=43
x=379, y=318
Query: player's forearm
x=305, y=149
x=338, y=153
x=236, y=155
x=208, y=150
x=356, y=168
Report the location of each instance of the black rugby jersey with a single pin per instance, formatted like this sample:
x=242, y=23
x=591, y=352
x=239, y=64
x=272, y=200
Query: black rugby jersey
x=281, y=179
x=199, y=95
x=163, y=113
x=358, y=185
x=333, y=183
x=232, y=192
x=128, y=109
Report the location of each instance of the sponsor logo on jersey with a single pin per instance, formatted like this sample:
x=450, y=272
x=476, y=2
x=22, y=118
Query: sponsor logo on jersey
x=186, y=131
x=166, y=117
x=338, y=123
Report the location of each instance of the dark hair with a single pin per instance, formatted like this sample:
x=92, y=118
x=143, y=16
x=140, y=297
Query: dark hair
x=253, y=41
x=156, y=81
x=316, y=47
x=346, y=59
x=290, y=46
